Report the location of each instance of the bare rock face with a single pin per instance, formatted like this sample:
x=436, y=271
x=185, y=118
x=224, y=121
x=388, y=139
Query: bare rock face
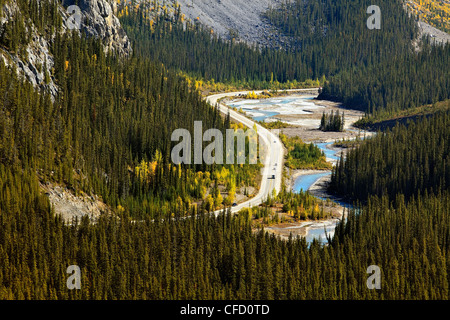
x=234, y=18
x=98, y=20
x=38, y=61
x=436, y=36
x=70, y=206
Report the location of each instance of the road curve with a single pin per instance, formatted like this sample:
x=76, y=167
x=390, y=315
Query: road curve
x=274, y=151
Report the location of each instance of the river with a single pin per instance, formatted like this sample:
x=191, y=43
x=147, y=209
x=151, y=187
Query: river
x=262, y=110
x=319, y=229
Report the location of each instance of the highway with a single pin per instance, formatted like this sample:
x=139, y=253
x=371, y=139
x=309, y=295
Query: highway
x=273, y=151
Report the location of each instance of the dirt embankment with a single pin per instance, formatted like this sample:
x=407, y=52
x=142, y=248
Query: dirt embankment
x=437, y=36
x=70, y=206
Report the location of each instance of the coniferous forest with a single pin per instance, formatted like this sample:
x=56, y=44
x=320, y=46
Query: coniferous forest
x=376, y=71
x=108, y=133
x=409, y=159
x=332, y=122
x=221, y=258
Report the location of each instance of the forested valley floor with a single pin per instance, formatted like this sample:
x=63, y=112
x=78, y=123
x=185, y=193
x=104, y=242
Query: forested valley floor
x=108, y=133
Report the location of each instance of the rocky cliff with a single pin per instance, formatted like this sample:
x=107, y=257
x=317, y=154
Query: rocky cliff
x=34, y=61
x=98, y=20
x=25, y=47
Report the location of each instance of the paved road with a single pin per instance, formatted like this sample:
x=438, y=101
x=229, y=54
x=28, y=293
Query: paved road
x=273, y=147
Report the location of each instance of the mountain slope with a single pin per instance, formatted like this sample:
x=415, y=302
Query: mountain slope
x=433, y=12
x=233, y=18
x=27, y=30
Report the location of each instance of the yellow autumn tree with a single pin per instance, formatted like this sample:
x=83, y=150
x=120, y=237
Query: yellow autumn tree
x=316, y=211
x=218, y=200
x=209, y=203
x=146, y=170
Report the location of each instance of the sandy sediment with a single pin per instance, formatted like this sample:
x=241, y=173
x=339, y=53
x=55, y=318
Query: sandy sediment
x=305, y=124
x=301, y=228
x=308, y=131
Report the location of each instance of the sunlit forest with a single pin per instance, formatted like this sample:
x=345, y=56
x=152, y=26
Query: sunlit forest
x=108, y=133
x=436, y=13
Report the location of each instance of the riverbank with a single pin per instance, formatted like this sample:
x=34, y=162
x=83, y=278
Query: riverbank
x=306, y=126
x=303, y=114
x=316, y=183
x=311, y=229
x=293, y=174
